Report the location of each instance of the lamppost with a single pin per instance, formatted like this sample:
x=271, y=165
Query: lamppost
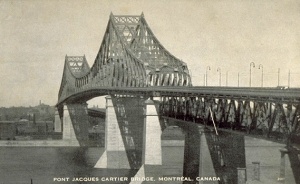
x=289, y=78
x=252, y=64
x=238, y=79
x=207, y=68
x=278, y=75
x=262, y=74
x=219, y=70
x=191, y=76
x=226, y=78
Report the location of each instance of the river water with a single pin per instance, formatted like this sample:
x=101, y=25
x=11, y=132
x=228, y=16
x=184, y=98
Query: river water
x=227, y=152
x=42, y=165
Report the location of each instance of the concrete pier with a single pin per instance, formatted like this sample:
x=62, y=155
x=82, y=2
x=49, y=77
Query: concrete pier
x=242, y=175
x=57, y=122
x=115, y=153
x=152, y=152
x=206, y=168
x=68, y=129
x=256, y=171
x=283, y=155
x=274, y=165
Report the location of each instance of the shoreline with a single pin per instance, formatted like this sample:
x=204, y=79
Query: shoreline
x=66, y=143
x=36, y=143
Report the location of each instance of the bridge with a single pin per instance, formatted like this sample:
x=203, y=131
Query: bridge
x=149, y=89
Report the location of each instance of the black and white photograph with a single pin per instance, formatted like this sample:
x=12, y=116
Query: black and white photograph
x=149, y=91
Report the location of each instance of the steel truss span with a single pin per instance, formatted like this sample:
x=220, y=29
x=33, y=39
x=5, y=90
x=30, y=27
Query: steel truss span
x=278, y=120
x=129, y=56
x=257, y=94
x=131, y=63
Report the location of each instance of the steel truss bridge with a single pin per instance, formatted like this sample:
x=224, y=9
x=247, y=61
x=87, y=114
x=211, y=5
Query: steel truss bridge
x=132, y=62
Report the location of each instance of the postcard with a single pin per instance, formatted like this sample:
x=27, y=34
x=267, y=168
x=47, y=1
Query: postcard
x=183, y=91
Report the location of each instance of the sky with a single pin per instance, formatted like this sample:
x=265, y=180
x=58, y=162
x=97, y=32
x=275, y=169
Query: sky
x=36, y=35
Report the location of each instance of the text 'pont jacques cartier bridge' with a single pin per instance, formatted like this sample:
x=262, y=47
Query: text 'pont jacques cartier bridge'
x=133, y=68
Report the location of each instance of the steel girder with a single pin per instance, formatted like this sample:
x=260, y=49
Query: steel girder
x=130, y=113
x=129, y=56
x=279, y=121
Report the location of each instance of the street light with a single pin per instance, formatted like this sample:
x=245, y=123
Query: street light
x=219, y=70
x=238, y=79
x=207, y=68
x=278, y=75
x=262, y=74
x=289, y=78
x=226, y=78
x=252, y=64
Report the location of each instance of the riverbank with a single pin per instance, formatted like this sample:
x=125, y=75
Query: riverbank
x=65, y=143
x=40, y=143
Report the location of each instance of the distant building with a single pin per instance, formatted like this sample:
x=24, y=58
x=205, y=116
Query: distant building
x=44, y=109
x=8, y=130
x=45, y=126
x=25, y=127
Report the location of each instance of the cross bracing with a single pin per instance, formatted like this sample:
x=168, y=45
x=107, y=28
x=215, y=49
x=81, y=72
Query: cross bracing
x=131, y=63
x=129, y=56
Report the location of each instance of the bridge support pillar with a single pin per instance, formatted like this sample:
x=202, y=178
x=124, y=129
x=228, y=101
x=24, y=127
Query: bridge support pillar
x=241, y=175
x=152, y=153
x=57, y=122
x=283, y=153
x=192, y=150
x=68, y=129
x=114, y=155
x=206, y=168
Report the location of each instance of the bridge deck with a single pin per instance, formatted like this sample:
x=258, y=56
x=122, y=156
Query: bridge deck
x=290, y=95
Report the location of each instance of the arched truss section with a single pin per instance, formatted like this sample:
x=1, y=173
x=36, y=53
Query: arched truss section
x=75, y=67
x=129, y=56
x=163, y=69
